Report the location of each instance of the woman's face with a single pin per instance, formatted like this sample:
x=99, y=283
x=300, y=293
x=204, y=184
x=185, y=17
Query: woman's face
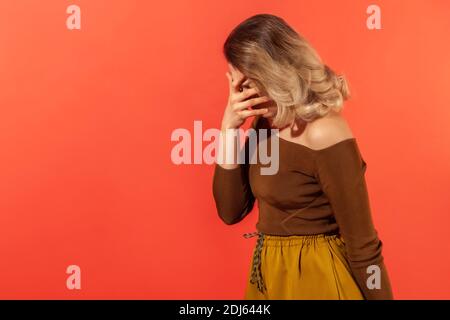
x=247, y=84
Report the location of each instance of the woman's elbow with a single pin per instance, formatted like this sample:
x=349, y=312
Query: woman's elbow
x=229, y=220
x=230, y=215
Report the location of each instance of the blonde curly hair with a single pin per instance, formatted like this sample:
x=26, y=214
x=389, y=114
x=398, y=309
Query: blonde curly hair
x=285, y=67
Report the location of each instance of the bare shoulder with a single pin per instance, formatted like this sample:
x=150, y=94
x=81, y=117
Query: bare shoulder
x=327, y=131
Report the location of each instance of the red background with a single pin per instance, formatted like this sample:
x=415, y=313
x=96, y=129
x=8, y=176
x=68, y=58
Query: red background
x=86, y=117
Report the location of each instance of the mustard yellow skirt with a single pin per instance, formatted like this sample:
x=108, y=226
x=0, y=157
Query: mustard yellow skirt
x=300, y=268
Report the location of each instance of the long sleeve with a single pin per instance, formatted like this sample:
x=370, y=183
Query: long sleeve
x=340, y=170
x=232, y=193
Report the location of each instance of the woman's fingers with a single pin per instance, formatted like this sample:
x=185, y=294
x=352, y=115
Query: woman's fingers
x=249, y=113
x=241, y=101
x=250, y=103
x=246, y=94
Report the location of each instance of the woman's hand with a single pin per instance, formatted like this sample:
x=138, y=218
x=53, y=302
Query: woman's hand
x=239, y=105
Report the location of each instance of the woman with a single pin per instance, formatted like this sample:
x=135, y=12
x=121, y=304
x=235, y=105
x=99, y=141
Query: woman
x=316, y=238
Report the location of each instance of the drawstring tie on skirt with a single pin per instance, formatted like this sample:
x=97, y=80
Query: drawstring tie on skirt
x=256, y=275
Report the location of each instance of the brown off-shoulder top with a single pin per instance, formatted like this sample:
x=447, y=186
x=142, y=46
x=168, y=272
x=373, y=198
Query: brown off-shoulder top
x=313, y=192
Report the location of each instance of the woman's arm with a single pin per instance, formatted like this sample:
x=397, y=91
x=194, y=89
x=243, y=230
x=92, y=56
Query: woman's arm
x=340, y=171
x=231, y=189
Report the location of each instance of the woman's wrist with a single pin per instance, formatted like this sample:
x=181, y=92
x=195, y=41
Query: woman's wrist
x=224, y=127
